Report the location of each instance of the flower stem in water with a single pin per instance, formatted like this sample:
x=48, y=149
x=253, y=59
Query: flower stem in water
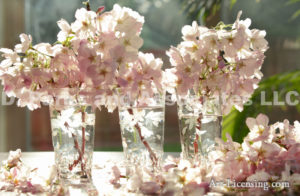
x=83, y=141
x=145, y=143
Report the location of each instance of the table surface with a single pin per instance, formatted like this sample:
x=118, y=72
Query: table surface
x=48, y=157
x=102, y=164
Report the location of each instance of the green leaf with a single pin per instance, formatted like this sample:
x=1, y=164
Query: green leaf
x=234, y=122
x=215, y=8
x=200, y=10
x=232, y=2
x=292, y=2
x=295, y=15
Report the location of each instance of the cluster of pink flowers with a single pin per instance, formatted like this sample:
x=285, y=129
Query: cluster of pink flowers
x=25, y=72
x=268, y=154
x=95, y=54
x=224, y=60
x=143, y=75
x=15, y=176
x=20, y=178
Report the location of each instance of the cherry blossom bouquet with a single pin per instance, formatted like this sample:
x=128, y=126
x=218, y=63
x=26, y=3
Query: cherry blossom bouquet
x=225, y=60
x=266, y=162
x=141, y=105
x=93, y=56
x=106, y=43
x=85, y=61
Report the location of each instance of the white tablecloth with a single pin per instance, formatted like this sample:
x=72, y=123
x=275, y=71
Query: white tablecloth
x=38, y=159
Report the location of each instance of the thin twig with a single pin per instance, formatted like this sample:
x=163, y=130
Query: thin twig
x=87, y=4
x=83, y=140
x=196, y=144
x=79, y=159
x=153, y=157
x=147, y=146
x=80, y=152
x=50, y=56
x=198, y=126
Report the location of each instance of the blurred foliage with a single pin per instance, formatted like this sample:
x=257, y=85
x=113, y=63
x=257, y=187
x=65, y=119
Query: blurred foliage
x=162, y=28
x=163, y=20
x=280, y=18
x=234, y=123
x=194, y=9
x=292, y=3
x=200, y=9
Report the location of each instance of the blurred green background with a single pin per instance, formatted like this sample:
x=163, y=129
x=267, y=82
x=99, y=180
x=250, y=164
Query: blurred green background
x=163, y=22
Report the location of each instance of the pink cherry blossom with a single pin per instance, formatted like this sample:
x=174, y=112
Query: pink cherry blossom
x=25, y=43
x=190, y=32
x=65, y=30
x=223, y=61
x=116, y=175
x=257, y=40
x=84, y=25
x=10, y=56
x=127, y=20
x=144, y=74
x=150, y=188
x=259, y=128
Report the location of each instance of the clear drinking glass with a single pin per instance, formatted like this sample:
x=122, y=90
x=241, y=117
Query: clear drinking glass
x=73, y=127
x=200, y=122
x=142, y=128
